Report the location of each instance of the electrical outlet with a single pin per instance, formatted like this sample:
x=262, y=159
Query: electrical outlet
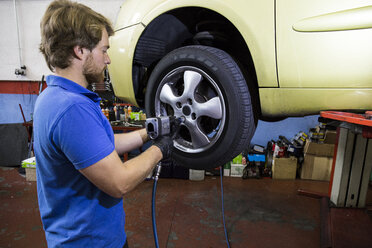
x=20, y=71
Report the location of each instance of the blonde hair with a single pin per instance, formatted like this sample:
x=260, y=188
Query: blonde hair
x=67, y=24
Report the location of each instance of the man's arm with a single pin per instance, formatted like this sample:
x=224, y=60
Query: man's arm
x=116, y=178
x=126, y=142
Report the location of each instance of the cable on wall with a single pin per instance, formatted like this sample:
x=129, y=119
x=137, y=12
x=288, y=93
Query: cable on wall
x=22, y=68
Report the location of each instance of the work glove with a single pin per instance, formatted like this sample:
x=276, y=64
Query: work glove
x=175, y=127
x=165, y=144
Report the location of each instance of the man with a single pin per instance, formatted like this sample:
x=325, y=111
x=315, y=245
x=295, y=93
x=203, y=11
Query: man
x=80, y=178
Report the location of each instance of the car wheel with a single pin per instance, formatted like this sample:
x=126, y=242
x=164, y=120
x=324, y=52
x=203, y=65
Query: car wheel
x=206, y=86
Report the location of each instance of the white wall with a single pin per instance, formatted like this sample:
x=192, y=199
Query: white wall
x=29, y=14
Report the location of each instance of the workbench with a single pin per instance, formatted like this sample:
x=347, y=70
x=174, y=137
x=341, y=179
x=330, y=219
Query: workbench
x=343, y=219
x=127, y=127
x=352, y=160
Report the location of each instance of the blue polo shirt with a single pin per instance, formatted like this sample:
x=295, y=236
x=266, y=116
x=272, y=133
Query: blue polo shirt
x=71, y=133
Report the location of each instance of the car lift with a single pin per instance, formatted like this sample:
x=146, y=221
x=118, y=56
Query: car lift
x=351, y=170
x=352, y=161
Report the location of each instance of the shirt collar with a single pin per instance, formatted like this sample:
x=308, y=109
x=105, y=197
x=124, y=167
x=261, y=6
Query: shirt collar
x=71, y=86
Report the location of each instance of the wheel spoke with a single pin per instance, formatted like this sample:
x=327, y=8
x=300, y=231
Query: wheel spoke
x=191, y=80
x=200, y=101
x=212, y=108
x=198, y=138
x=167, y=96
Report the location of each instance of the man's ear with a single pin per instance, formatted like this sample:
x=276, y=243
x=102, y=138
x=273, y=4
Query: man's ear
x=78, y=52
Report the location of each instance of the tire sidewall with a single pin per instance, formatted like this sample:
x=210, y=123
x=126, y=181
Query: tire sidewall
x=217, y=69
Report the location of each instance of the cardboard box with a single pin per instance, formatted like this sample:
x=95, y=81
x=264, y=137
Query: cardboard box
x=317, y=149
x=316, y=167
x=196, y=175
x=30, y=168
x=236, y=170
x=284, y=168
x=30, y=174
x=330, y=137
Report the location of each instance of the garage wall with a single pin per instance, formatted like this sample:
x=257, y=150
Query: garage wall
x=13, y=94
x=11, y=112
x=22, y=48
x=289, y=127
x=29, y=14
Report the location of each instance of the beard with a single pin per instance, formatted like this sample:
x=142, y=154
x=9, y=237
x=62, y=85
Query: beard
x=92, y=73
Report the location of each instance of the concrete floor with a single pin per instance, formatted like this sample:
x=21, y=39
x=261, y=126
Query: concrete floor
x=259, y=213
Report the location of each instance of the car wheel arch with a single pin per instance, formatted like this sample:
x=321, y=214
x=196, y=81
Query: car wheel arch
x=176, y=21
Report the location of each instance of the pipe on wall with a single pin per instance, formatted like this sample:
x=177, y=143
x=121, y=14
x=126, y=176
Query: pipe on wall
x=18, y=34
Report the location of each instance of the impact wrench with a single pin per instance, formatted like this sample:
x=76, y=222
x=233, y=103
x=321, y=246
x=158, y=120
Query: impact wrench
x=157, y=127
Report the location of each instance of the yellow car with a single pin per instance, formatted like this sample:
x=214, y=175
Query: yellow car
x=223, y=64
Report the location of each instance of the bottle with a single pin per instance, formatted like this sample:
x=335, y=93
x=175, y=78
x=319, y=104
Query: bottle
x=126, y=114
x=129, y=112
x=142, y=116
x=116, y=113
x=107, y=113
x=226, y=169
x=244, y=160
x=112, y=116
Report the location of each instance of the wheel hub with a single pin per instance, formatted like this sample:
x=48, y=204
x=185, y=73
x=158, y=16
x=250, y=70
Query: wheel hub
x=186, y=110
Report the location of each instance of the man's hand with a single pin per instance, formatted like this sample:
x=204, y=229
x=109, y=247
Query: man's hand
x=175, y=126
x=165, y=144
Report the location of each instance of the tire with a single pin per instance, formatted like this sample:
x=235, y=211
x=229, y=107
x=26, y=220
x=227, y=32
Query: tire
x=205, y=85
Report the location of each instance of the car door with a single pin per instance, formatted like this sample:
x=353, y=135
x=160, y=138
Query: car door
x=324, y=44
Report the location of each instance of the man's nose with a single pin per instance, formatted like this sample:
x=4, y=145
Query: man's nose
x=107, y=60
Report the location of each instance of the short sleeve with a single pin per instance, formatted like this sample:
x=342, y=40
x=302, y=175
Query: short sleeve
x=81, y=135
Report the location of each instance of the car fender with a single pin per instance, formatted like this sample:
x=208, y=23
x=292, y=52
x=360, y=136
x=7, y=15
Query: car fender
x=254, y=20
x=121, y=52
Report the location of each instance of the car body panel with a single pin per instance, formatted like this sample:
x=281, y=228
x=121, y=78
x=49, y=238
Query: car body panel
x=286, y=39
x=258, y=33
x=122, y=47
x=255, y=21
x=131, y=13
x=319, y=44
x=301, y=102
x=358, y=18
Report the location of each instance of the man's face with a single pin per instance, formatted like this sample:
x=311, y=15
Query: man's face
x=97, y=61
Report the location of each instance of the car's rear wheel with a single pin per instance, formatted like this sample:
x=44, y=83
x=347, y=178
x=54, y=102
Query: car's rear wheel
x=206, y=86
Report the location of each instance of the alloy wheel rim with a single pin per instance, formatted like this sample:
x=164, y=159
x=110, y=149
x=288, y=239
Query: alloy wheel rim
x=190, y=92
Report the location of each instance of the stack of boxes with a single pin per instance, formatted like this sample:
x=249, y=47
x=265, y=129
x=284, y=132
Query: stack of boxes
x=30, y=168
x=318, y=158
x=311, y=158
x=284, y=168
x=237, y=166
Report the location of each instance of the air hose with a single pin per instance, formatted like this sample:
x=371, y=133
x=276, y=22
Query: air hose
x=153, y=212
x=223, y=210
